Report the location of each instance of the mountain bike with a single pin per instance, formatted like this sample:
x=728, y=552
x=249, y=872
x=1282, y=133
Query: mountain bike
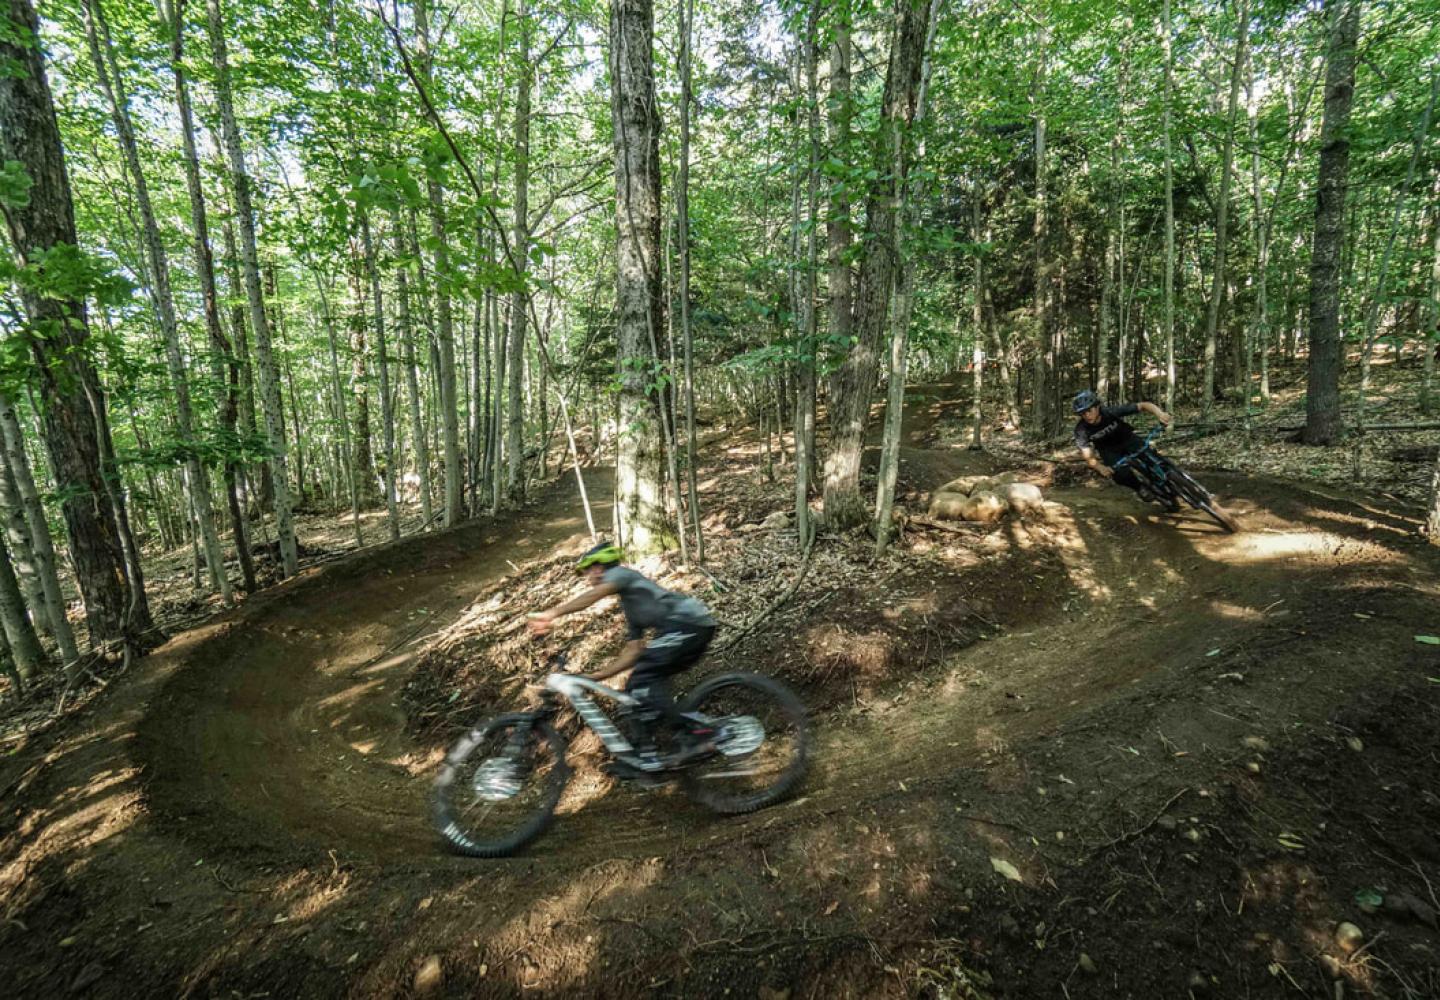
x=1168, y=482
x=500, y=784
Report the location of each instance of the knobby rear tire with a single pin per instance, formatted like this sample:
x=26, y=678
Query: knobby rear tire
x=467, y=754
x=713, y=796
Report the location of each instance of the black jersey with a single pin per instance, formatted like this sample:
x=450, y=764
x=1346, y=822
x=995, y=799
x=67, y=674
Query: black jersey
x=1111, y=436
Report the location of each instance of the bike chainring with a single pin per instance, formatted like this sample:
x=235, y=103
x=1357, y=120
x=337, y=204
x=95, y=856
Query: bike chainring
x=740, y=735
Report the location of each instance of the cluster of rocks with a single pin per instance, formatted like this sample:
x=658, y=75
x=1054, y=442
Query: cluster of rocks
x=985, y=498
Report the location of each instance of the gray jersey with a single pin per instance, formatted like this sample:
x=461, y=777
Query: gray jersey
x=647, y=605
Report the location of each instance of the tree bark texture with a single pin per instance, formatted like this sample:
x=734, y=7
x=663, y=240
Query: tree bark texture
x=1169, y=31
x=445, y=330
x=520, y=253
x=59, y=334
x=267, y=371
x=196, y=478
x=1222, y=211
x=222, y=353
x=854, y=381
x=1322, y=400
x=639, y=486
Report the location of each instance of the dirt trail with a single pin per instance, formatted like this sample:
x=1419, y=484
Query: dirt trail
x=246, y=815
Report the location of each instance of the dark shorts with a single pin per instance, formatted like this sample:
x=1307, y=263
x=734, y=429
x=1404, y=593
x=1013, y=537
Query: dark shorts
x=670, y=652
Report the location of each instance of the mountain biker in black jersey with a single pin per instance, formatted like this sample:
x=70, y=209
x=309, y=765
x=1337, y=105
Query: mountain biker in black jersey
x=683, y=629
x=1103, y=437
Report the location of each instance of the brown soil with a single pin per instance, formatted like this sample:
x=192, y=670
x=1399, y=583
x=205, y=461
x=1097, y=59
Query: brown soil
x=1146, y=718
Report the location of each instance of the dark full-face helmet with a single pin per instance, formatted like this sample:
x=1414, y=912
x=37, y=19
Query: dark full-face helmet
x=1084, y=400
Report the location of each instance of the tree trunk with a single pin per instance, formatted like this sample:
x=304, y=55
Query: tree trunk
x=639, y=496
x=1432, y=521
x=519, y=255
x=837, y=223
x=1259, y=338
x=1107, y=285
x=412, y=376
x=1322, y=401
x=855, y=380
x=359, y=318
x=30, y=136
x=1430, y=329
x=337, y=403
x=906, y=223
x=445, y=333
x=682, y=211
x=382, y=354
x=1043, y=393
x=196, y=479
x=1222, y=209
x=977, y=313
x=221, y=352
x=1169, y=32
x=22, y=551
x=267, y=370
x=19, y=632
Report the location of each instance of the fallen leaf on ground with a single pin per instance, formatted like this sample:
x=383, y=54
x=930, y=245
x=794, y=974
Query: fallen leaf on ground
x=1007, y=869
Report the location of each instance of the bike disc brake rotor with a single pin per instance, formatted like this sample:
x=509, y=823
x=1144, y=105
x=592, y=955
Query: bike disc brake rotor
x=497, y=779
x=740, y=735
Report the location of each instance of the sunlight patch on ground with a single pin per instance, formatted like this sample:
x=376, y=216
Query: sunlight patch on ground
x=1267, y=546
x=107, y=809
x=310, y=904
x=1237, y=612
x=390, y=663
x=561, y=941
x=349, y=696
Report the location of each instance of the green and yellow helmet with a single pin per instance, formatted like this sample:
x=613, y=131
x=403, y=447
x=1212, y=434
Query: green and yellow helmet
x=604, y=554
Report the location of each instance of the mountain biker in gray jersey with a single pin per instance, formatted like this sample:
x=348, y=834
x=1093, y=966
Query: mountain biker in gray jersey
x=1103, y=437
x=682, y=627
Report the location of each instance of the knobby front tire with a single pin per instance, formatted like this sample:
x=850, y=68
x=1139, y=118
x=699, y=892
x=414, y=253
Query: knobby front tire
x=495, y=794
x=737, y=784
x=1199, y=497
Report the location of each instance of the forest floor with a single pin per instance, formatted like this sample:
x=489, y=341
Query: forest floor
x=1098, y=753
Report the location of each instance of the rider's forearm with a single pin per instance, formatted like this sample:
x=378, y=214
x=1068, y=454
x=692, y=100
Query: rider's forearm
x=1153, y=410
x=621, y=663
x=581, y=601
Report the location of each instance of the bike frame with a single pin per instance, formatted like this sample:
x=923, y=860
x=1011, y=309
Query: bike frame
x=1148, y=462
x=573, y=688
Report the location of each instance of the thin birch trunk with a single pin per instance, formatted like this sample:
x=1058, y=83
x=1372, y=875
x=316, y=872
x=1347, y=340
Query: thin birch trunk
x=419, y=444
x=268, y=372
x=445, y=334
x=337, y=402
x=196, y=479
x=387, y=409
x=19, y=632
x=18, y=465
x=519, y=256
x=221, y=351
x=17, y=541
